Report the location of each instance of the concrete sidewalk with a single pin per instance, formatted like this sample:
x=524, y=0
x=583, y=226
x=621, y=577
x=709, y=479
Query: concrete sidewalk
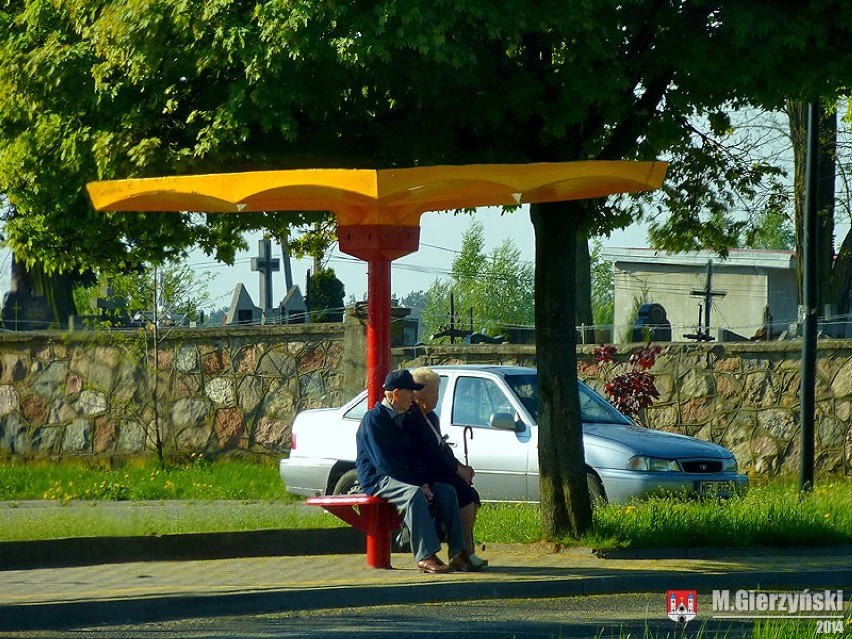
x=138, y=592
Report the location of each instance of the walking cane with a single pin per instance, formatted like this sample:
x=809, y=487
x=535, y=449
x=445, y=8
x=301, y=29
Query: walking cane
x=464, y=437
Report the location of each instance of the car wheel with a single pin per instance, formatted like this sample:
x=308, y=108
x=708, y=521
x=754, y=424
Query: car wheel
x=348, y=484
x=596, y=489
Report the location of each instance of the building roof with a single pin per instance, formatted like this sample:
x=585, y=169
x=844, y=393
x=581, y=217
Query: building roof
x=749, y=258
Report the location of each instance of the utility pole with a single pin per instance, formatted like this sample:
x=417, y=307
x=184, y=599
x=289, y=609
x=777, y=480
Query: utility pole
x=452, y=319
x=155, y=407
x=285, y=258
x=810, y=295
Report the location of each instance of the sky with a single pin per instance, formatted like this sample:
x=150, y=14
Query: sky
x=440, y=241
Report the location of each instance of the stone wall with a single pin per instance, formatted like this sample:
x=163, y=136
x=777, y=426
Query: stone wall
x=237, y=390
x=217, y=390
x=744, y=396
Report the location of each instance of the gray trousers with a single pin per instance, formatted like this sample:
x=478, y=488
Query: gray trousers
x=411, y=501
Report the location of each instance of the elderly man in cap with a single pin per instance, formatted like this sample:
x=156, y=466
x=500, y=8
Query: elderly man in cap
x=389, y=466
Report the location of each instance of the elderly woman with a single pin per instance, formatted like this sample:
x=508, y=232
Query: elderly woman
x=439, y=461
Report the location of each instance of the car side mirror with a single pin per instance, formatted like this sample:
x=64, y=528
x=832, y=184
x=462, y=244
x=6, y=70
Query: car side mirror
x=506, y=421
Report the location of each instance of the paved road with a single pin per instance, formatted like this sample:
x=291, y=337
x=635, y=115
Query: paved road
x=606, y=616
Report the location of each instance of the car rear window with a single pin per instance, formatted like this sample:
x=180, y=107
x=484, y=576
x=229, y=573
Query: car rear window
x=357, y=411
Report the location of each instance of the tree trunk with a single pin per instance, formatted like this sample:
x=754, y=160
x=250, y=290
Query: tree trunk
x=825, y=209
x=842, y=277
x=565, y=506
x=797, y=117
x=37, y=301
x=828, y=292
x=59, y=291
x=583, y=287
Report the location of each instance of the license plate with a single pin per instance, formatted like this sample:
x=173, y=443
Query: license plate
x=716, y=488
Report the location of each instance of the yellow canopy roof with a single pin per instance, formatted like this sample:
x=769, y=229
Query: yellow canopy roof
x=394, y=197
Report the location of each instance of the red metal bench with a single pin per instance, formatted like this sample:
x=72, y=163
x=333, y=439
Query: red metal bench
x=372, y=515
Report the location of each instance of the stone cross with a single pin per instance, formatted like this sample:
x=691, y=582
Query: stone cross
x=708, y=294
x=107, y=302
x=265, y=265
x=17, y=308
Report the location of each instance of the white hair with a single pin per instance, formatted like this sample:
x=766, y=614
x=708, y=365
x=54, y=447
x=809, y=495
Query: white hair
x=425, y=375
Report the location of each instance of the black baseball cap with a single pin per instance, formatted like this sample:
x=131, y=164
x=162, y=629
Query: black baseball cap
x=401, y=380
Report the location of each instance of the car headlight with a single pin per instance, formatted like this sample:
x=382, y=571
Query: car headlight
x=653, y=464
x=729, y=465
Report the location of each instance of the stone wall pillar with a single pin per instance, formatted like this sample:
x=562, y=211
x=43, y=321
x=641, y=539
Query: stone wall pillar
x=355, y=349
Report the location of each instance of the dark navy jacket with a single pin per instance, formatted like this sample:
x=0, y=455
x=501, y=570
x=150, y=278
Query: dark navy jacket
x=386, y=449
x=437, y=460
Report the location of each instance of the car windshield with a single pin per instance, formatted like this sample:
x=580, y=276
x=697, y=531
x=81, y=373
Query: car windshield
x=595, y=409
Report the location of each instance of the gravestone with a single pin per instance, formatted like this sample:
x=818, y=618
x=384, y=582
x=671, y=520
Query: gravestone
x=242, y=310
x=111, y=307
x=25, y=312
x=293, y=308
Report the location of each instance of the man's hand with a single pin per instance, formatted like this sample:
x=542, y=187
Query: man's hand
x=427, y=491
x=466, y=473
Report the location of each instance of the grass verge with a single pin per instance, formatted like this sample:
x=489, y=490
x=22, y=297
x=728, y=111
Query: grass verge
x=197, y=478
x=25, y=522
x=800, y=628
x=234, y=496
x=773, y=515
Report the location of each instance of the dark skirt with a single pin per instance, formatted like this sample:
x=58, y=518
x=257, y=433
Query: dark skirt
x=466, y=493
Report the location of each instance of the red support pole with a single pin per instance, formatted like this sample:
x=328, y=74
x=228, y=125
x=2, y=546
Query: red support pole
x=378, y=327
x=380, y=522
x=378, y=245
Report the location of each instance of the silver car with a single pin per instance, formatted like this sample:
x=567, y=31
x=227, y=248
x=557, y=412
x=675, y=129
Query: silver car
x=489, y=415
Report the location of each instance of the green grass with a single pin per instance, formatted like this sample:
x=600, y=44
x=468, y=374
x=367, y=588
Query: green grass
x=671, y=631
x=22, y=522
x=772, y=515
x=508, y=523
x=763, y=629
x=197, y=479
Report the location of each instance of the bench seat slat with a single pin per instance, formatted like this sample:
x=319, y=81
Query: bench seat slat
x=367, y=513
x=344, y=500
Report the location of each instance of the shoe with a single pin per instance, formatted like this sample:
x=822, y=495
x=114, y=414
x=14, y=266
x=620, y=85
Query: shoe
x=433, y=565
x=477, y=562
x=461, y=563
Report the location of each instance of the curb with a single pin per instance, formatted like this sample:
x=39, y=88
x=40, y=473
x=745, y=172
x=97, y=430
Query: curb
x=85, y=551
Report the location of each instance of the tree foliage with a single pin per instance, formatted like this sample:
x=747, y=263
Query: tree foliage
x=325, y=296
x=772, y=231
x=104, y=89
x=718, y=189
x=603, y=287
x=630, y=391
x=181, y=291
x=492, y=291
x=416, y=301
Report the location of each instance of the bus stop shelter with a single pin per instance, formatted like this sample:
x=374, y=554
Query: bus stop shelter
x=378, y=211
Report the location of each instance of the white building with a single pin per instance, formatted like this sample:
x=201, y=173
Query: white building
x=748, y=287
